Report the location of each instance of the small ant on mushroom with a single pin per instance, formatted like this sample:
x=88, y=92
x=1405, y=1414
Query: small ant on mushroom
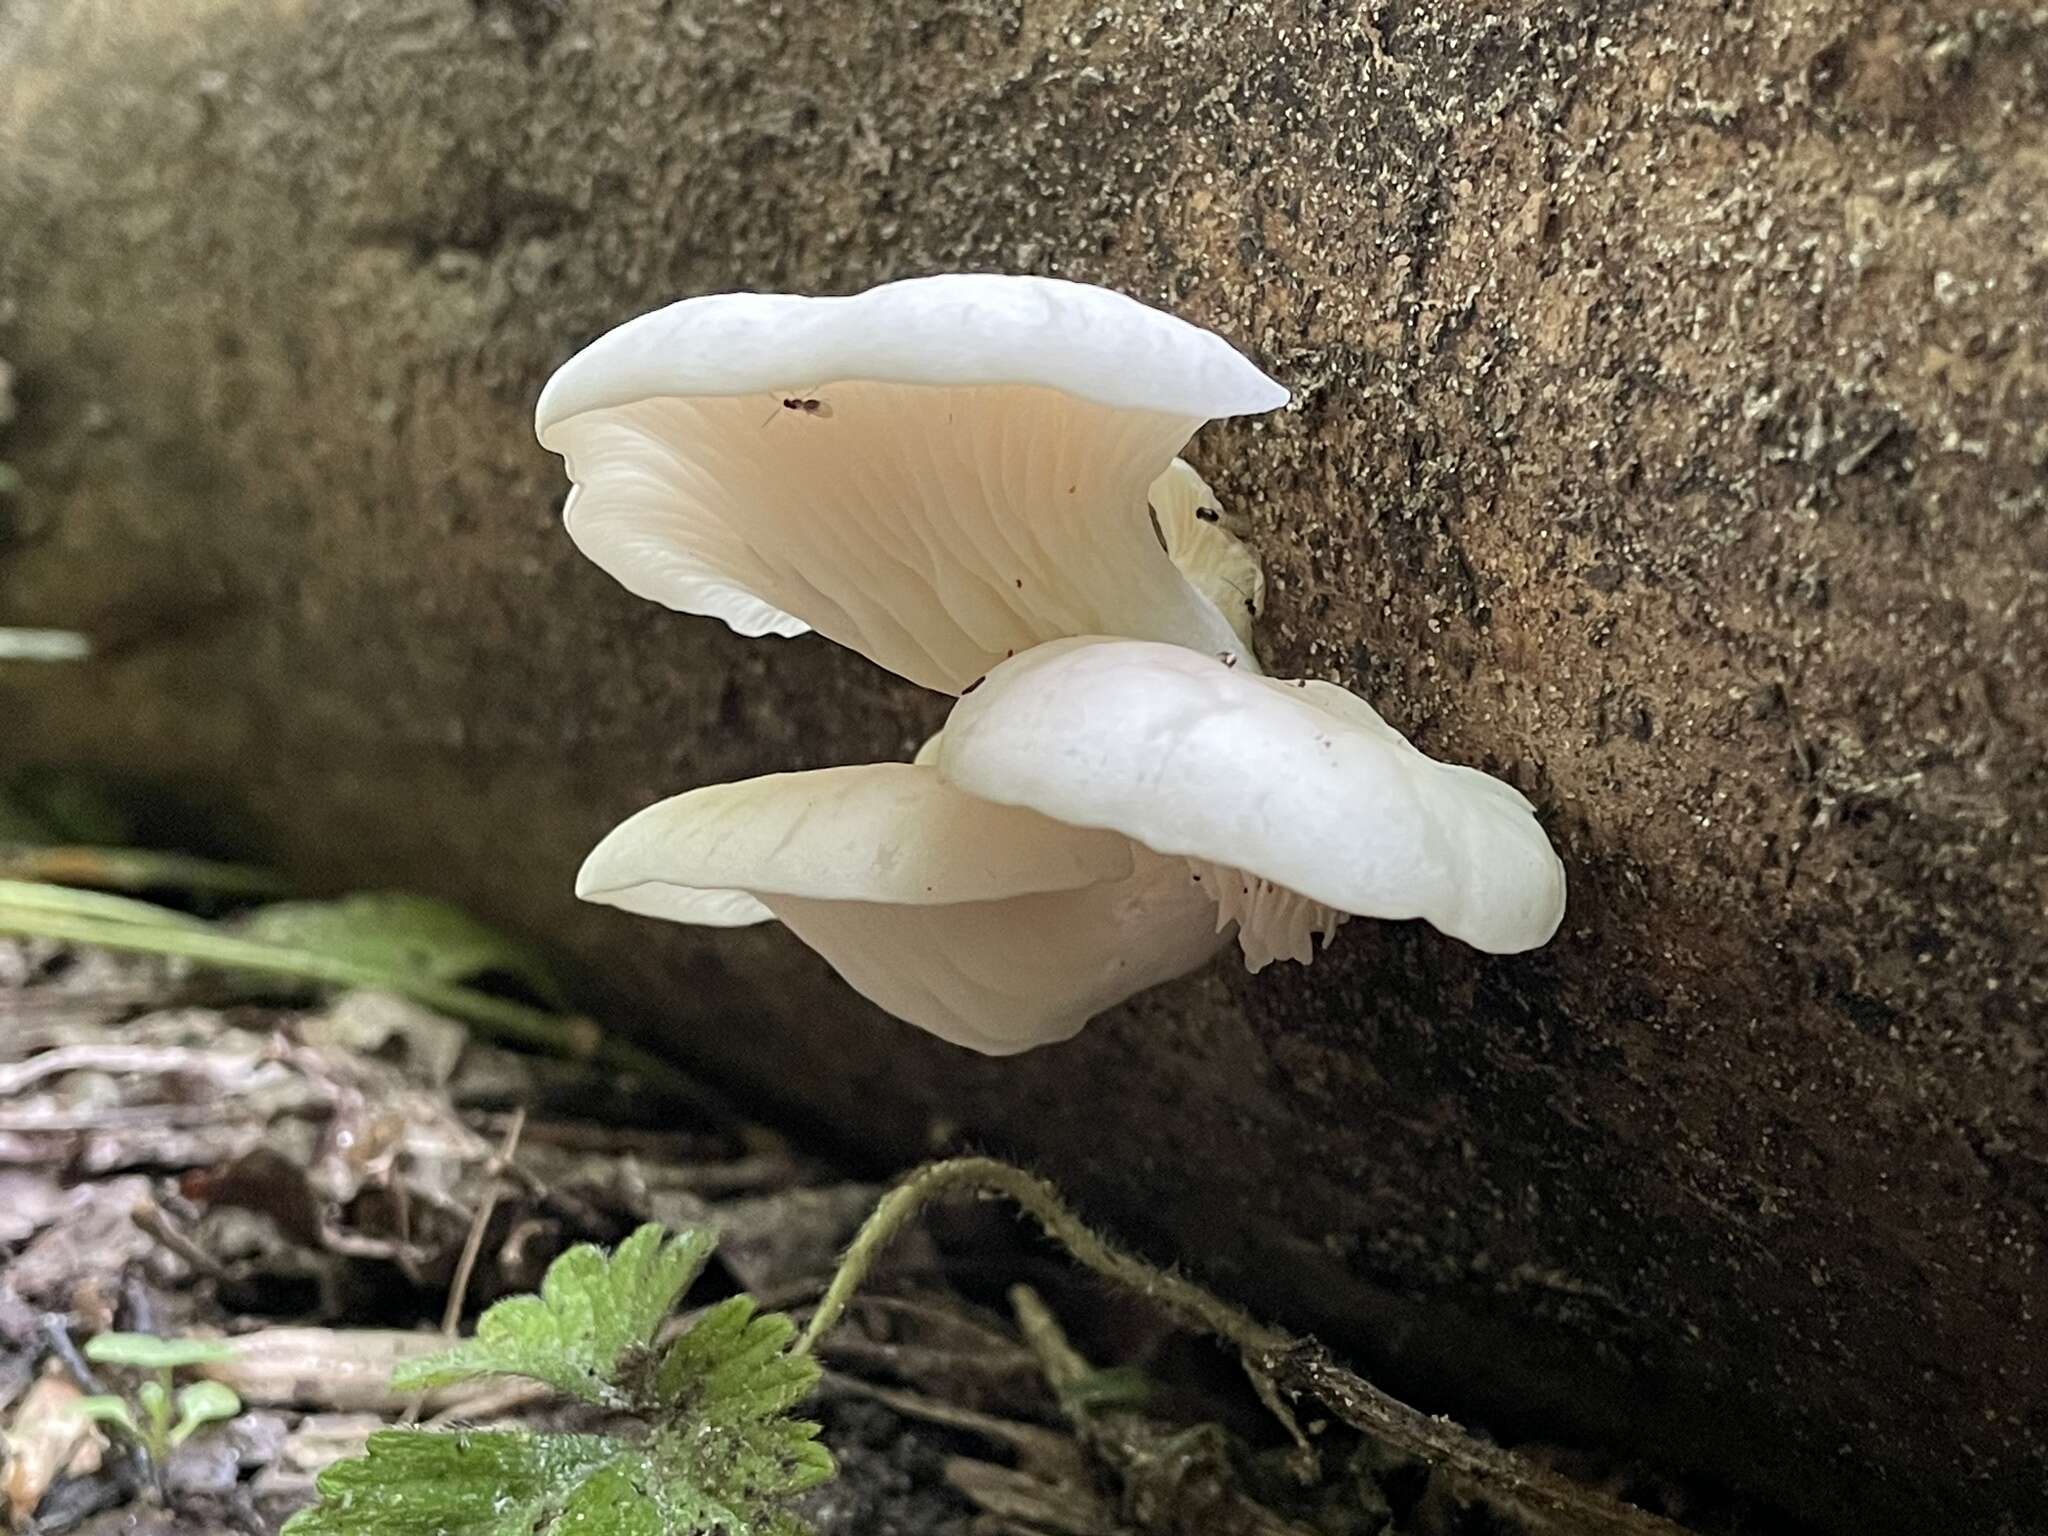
x=803, y=405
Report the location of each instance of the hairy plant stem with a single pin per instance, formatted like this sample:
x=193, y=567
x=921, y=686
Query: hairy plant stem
x=1281, y=1364
x=1187, y=1301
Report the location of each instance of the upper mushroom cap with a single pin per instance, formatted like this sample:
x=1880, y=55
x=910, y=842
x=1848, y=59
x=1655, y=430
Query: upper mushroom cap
x=1296, y=783
x=938, y=473
x=952, y=329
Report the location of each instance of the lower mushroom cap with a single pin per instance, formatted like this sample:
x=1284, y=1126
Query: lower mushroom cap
x=988, y=925
x=880, y=832
x=1004, y=976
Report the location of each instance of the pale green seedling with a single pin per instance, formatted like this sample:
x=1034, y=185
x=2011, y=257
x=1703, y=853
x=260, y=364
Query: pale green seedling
x=157, y=1417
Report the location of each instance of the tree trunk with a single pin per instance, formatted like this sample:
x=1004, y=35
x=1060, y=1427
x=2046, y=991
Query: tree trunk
x=1670, y=440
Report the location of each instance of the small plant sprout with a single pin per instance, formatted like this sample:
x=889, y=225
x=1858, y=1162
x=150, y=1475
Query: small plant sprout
x=995, y=510
x=156, y=1417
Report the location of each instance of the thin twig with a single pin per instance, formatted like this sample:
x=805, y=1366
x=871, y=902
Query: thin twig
x=472, y=1245
x=458, y=1289
x=150, y=1218
x=1063, y=1365
x=57, y=1334
x=1033, y=1442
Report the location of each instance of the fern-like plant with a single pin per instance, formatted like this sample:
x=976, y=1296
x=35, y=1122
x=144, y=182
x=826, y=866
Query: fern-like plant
x=713, y=1450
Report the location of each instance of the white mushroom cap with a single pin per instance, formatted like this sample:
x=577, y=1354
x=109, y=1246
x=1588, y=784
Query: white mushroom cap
x=1298, y=786
x=987, y=925
x=938, y=473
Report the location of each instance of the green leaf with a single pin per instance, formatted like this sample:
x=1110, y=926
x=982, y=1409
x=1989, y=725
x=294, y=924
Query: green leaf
x=129, y=869
x=734, y=1366
x=406, y=935
x=201, y=1404
x=508, y=1483
x=106, y=1410
x=147, y=1352
x=576, y=1333
x=727, y=1386
x=470, y=1483
x=28, y=910
x=715, y=1455
x=33, y=896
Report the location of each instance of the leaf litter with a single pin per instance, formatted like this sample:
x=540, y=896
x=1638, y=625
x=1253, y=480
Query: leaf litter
x=306, y=1175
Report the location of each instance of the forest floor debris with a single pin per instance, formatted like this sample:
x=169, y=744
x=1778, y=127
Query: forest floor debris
x=312, y=1179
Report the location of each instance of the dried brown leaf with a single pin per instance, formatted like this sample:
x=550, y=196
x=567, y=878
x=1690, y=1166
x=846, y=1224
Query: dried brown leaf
x=46, y=1438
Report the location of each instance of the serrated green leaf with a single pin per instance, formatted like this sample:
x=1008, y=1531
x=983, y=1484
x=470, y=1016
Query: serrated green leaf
x=574, y=1335
x=734, y=1366
x=717, y=1455
x=468, y=1483
x=727, y=1386
x=406, y=935
x=611, y=1503
x=509, y=1483
x=730, y=1479
x=147, y=1352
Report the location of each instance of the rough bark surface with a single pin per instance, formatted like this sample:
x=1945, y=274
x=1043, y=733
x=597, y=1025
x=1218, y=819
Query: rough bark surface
x=1671, y=438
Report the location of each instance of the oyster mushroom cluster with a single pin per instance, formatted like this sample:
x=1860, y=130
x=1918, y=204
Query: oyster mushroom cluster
x=973, y=481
